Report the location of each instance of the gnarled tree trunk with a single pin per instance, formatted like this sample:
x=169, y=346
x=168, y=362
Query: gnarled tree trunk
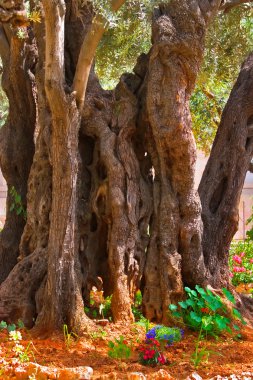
x=111, y=198
x=222, y=181
x=16, y=137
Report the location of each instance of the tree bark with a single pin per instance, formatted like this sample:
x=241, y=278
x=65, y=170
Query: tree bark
x=174, y=254
x=16, y=140
x=222, y=181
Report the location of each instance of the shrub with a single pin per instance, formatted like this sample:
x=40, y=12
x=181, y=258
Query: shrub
x=205, y=310
x=166, y=336
x=241, y=262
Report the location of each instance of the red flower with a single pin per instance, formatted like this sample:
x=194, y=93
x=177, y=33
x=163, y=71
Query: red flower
x=161, y=359
x=205, y=310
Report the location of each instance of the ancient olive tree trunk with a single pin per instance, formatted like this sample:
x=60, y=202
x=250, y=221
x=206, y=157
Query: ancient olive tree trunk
x=111, y=189
x=16, y=138
x=62, y=300
x=174, y=255
x=223, y=178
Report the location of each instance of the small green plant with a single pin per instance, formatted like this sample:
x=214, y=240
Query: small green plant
x=100, y=334
x=17, y=204
x=136, y=307
x=119, y=349
x=105, y=307
x=200, y=354
x=21, y=33
x=205, y=310
x=144, y=322
x=68, y=336
x=11, y=327
x=99, y=306
x=23, y=353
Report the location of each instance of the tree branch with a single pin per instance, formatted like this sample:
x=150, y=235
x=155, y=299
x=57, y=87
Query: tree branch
x=88, y=51
x=250, y=169
x=226, y=6
x=54, y=65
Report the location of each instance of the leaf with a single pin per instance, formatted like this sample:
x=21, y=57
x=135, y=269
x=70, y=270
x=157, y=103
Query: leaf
x=190, y=302
x=236, y=313
x=183, y=304
x=17, y=198
x=19, y=210
x=172, y=307
x=200, y=290
x=110, y=344
x=221, y=322
x=195, y=316
x=177, y=314
x=35, y=16
x=229, y=295
x=236, y=327
x=207, y=322
x=20, y=324
x=11, y=327
x=3, y=325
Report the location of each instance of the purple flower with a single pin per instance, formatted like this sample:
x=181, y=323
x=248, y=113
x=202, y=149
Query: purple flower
x=151, y=333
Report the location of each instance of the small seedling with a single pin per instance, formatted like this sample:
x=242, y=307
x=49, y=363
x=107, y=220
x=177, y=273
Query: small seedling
x=144, y=322
x=68, y=336
x=119, y=349
x=100, y=334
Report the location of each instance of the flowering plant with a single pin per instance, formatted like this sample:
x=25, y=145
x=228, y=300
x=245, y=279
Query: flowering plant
x=166, y=336
x=241, y=262
x=151, y=353
x=157, y=339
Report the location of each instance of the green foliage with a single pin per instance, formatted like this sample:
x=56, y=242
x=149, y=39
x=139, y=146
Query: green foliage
x=100, y=334
x=68, y=336
x=228, y=42
x=241, y=262
x=165, y=335
x=204, y=310
x=23, y=353
x=201, y=354
x=137, y=306
x=122, y=44
x=105, y=307
x=4, y=104
x=17, y=204
x=11, y=327
x=101, y=308
x=119, y=349
x=144, y=322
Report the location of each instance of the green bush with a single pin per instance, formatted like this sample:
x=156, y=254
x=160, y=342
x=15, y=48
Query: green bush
x=204, y=310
